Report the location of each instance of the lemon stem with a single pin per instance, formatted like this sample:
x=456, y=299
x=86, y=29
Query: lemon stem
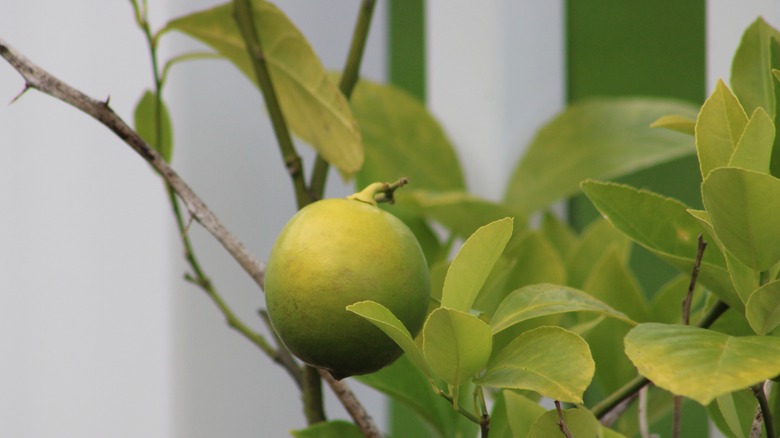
x=379, y=192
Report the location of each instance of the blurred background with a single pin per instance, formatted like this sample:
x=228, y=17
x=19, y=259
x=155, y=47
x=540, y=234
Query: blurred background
x=99, y=334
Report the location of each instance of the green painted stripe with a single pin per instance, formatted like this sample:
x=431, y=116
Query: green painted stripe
x=406, y=45
x=616, y=48
x=406, y=68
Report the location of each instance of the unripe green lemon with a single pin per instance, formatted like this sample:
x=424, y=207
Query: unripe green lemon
x=334, y=253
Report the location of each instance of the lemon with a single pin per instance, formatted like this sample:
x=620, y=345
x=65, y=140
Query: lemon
x=334, y=253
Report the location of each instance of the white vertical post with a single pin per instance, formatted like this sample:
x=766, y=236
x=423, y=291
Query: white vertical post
x=495, y=74
x=726, y=21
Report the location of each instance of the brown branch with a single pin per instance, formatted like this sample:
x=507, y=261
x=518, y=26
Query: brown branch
x=39, y=79
x=562, y=424
x=355, y=410
x=686, y=319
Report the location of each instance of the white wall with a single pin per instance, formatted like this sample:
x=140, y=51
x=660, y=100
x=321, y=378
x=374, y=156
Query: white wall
x=84, y=248
x=99, y=334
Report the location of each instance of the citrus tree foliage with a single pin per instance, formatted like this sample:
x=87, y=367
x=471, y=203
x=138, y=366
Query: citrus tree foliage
x=525, y=312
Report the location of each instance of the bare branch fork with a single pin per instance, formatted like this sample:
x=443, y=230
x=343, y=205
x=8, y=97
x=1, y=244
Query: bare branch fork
x=39, y=79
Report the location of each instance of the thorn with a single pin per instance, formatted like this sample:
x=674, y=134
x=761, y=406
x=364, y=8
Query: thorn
x=21, y=93
x=189, y=222
x=108, y=100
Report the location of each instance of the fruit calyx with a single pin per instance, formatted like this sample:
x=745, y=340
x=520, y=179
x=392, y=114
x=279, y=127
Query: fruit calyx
x=378, y=192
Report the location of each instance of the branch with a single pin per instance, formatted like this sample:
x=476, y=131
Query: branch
x=242, y=13
x=764, y=412
x=356, y=410
x=349, y=78
x=686, y=319
x=562, y=424
x=39, y=79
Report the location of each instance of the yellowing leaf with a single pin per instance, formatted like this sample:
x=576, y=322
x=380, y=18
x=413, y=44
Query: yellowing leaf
x=312, y=104
x=701, y=364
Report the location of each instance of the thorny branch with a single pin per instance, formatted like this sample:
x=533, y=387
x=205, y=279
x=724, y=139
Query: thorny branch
x=39, y=79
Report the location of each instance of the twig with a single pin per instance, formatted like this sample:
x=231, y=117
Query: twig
x=36, y=77
x=484, y=423
x=469, y=416
x=244, y=17
x=313, y=406
x=764, y=412
x=686, y=319
x=676, y=416
x=355, y=410
x=561, y=423
x=605, y=406
x=686, y=306
x=349, y=78
x=641, y=412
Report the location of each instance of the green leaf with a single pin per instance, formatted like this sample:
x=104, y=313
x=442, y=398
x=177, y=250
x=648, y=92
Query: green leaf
x=743, y=206
x=744, y=279
x=145, y=119
x=547, y=299
x=595, y=241
x=580, y=422
x=751, y=67
x=460, y=212
x=701, y=364
x=521, y=412
x=312, y=104
x=535, y=261
x=597, y=138
x=552, y=361
x=384, y=319
x=558, y=233
x=763, y=308
x=677, y=123
x=613, y=283
x=754, y=149
x=402, y=139
x=665, y=305
x=613, y=369
x=733, y=413
x=473, y=264
x=719, y=126
x=329, y=429
x=406, y=383
x=663, y=226
x=456, y=344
